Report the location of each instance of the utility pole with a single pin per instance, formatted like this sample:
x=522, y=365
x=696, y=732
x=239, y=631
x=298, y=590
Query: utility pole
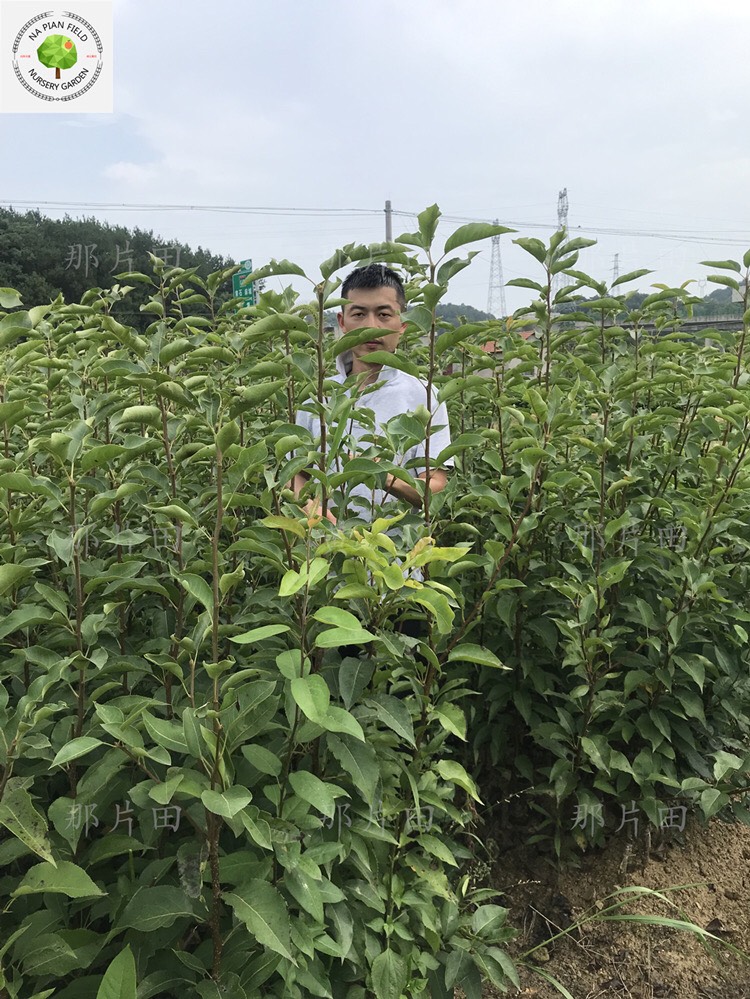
x=496, y=291
x=388, y=223
x=616, y=268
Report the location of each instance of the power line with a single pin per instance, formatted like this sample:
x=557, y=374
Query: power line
x=738, y=237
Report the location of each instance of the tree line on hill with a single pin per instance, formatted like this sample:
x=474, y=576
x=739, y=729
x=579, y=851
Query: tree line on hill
x=42, y=258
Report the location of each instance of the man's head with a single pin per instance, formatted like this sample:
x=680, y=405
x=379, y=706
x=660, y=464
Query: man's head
x=375, y=297
x=374, y=276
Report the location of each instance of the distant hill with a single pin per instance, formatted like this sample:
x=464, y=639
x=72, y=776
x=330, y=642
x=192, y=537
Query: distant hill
x=457, y=314
x=42, y=257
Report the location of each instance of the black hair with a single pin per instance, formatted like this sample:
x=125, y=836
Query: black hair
x=374, y=276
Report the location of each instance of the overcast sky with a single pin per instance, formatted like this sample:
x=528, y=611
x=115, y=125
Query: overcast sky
x=487, y=107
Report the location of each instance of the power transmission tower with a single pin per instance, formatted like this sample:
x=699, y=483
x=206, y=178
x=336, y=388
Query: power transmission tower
x=496, y=293
x=562, y=280
x=616, y=268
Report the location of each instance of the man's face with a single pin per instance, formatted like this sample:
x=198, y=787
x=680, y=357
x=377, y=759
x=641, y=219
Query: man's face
x=378, y=307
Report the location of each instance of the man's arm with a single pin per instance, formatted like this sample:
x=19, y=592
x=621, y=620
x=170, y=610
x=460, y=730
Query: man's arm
x=437, y=481
x=312, y=508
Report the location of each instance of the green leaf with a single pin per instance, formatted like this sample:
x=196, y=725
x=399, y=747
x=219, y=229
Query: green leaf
x=150, y=415
x=535, y=247
x=151, y=909
x=428, y=223
x=338, y=720
x=119, y=980
x=9, y=298
x=312, y=696
x=389, y=360
x=11, y=575
x=452, y=718
x=320, y=794
x=338, y=617
x=262, y=909
x=227, y=803
x=726, y=281
x=63, y=879
x=631, y=276
x=437, y=604
x=198, y=587
x=472, y=232
x=395, y=714
x=526, y=283
x=18, y=815
x=389, y=975
x=335, y=637
x=354, y=676
x=475, y=654
x=275, y=268
x=76, y=748
x=262, y=759
x=723, y=265
x=21, y=483
x=360, y=762
x=452, y=771
x=437, y=848
x=258, y=634
x=309, y=576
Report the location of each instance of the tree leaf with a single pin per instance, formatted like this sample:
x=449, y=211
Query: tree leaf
x=337, y=616
x=198, y=587
x=150, y=909
x=475, y=654
x=394, y=713
x=11, y=575
x=335, y=637
x=354, y=676
x=312, y=696
x=723, y=265
x=389, y=975
x=227, y=803
x=119, y=980
x=9, y=298
x=262, y=909
x=472, y=232
x=18, y=815
x=360, y=762
x=65, y=878
x=320, y=794
x=631, y=276
x=338, y=720
x=76, y=748
x=258, y=634
x=452, y=771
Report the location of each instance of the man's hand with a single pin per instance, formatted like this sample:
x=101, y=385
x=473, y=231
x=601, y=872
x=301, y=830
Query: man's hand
x=314, y=513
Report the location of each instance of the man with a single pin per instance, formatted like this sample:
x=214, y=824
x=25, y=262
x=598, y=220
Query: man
x=375, y=298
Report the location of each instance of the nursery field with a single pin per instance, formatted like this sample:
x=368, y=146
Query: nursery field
x=228, y=768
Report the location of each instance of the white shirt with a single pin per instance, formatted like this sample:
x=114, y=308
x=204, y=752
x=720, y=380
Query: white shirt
x=395, y=393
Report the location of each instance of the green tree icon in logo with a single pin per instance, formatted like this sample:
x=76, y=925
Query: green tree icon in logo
x=57, y=52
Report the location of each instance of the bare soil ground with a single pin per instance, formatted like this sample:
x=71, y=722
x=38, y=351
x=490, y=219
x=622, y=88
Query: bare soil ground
x=621, y=959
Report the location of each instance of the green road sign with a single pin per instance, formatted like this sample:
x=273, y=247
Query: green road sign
x=247, y=291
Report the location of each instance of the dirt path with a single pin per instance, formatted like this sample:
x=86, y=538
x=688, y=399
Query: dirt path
x=605, y=959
